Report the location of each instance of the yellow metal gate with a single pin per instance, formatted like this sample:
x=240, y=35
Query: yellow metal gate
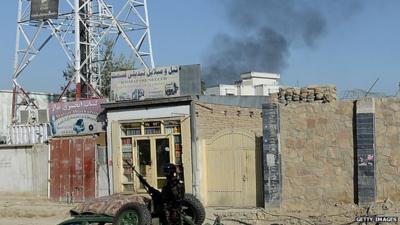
x=232, y=169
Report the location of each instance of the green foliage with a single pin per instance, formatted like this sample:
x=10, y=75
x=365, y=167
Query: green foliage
x=112, y=63
x=67, y=74
x=203, y=87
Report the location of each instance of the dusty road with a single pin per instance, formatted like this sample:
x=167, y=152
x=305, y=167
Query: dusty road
x=32, y=210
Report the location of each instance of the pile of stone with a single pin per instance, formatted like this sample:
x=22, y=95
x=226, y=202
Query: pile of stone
x=323, y=94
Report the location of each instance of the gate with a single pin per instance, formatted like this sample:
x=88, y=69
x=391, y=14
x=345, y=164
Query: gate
x=233, y=169
x=72, y=169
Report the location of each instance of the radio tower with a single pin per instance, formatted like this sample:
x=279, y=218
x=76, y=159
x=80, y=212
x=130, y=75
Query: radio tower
x=81, y=27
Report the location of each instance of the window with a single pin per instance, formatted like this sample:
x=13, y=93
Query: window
x=152, y=127
x=149, y=145
x=172, y=126
x=131, y=129
x=127, y=161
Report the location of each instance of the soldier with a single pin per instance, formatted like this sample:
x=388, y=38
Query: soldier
x=172, y=196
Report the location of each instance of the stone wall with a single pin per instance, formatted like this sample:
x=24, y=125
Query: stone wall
x=387, y=129
x=319, y=165
x=320, y=94
x=212, y=118
x=317, y=153
x=317, y=145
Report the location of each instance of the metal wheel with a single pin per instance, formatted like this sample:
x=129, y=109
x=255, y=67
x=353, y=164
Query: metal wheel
x=128, y=217
x=133, y=214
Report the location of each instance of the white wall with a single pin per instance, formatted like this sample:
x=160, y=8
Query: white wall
x=149, y=113
x=261, y=81
x=24, y=169
x=252, y=84
x=101, y=175
x=246, y=90
x=222, y=89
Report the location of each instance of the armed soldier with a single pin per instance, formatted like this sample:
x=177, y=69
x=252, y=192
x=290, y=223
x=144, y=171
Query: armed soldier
x=172, y=196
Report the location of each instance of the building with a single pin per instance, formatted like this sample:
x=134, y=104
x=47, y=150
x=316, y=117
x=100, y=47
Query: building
x=251, y=151
x=31, y=126
x=210, y=138
x=23, y=145
x=251, y=84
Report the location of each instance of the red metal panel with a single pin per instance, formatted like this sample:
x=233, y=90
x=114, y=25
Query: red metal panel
x=78, y=169
x=55, y=169
x=89, y=168
x=72, y=169
x=72, y=173
x=65, y=170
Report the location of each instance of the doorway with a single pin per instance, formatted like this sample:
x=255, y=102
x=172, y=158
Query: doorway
x=150, y=155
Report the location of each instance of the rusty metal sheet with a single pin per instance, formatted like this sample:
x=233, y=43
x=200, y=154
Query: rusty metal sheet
x=72, y=173
x=55, y=169
x=77, y=169
x=89, y=168
x=64, y=169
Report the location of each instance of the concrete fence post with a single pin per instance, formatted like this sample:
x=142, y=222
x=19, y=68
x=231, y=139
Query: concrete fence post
x=272, y=166
x=366, y=151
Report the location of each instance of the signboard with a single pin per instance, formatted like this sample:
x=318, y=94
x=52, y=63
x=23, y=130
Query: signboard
x=159, y=82
x=44, y=9
x=75, y=118
x=147, y=83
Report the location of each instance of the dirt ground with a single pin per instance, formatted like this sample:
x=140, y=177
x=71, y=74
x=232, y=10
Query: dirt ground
x=27, y=209
x=31, y=210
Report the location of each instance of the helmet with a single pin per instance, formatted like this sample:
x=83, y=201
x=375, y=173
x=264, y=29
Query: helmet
x=169, y=169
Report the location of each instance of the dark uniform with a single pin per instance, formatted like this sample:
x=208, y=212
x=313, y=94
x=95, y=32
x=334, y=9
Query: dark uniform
x=172, y=197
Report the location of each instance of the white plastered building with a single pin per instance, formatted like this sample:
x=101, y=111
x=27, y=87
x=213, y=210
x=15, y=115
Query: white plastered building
x=250, y=84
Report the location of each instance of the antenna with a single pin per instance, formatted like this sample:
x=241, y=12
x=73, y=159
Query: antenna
x=369, y=90
x=81, y=27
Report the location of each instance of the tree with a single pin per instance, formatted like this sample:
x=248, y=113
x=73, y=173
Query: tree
x=111, y=64
x=203, y=87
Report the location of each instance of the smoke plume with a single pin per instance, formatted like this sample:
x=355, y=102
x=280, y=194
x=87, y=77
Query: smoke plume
x=265, y=32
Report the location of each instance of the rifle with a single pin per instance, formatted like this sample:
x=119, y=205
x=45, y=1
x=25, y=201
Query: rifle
x=151, y=190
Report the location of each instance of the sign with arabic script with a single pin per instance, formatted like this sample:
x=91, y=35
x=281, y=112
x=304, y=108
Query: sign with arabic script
x=44, y=9
x=146, y=83
x=76, y=118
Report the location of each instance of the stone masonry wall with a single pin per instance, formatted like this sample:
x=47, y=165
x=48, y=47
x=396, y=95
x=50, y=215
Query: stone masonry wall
x=317, y=147
x=387, y=128
x=317, y=153
x=212, y=118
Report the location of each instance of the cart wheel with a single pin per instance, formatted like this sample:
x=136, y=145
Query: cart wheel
x=133, y=214
x=193, y=210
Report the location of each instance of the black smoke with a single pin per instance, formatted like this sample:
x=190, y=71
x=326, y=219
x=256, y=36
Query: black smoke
x=265, y=31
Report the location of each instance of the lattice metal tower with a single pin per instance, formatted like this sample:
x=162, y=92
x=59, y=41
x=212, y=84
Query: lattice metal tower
x=81, y=27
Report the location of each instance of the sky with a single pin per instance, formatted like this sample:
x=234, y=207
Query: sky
x=354, y=45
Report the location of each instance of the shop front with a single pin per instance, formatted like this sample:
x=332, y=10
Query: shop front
x=148, y=135
x=149, y=145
